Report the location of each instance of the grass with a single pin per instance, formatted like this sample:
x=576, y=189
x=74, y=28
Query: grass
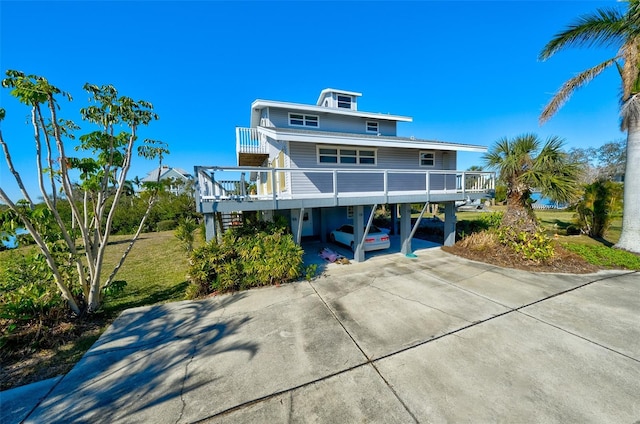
x=155, y=272
x=605, y=257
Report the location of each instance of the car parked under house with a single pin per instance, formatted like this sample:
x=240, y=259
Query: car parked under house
x=326, y=164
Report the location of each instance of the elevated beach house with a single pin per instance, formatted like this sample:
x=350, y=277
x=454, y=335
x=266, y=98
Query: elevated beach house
x=177, y=179
x=327, y=164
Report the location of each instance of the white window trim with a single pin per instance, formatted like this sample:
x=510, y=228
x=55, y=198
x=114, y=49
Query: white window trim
x=346, y=165
x=420, y=158
x=377, y=124
x=346, y=96
x=304, y=120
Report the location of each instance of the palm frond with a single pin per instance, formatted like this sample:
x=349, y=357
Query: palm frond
x=604, y=27
x=567, y=89
x=553, y=173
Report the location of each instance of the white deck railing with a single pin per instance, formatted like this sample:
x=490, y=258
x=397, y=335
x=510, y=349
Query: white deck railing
x=249, y=140
x=217, y=184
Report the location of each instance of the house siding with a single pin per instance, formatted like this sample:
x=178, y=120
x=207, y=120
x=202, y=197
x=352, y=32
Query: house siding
x=303, y=155
x=335, y=123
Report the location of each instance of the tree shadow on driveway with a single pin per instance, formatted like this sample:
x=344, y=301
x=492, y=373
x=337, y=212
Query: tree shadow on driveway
x=140, y=364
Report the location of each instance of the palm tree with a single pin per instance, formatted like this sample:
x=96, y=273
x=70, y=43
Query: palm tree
x=620, y=28
x=524, y=164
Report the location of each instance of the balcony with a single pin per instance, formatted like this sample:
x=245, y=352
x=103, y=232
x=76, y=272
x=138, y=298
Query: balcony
x=250, y=147
x=225, y=189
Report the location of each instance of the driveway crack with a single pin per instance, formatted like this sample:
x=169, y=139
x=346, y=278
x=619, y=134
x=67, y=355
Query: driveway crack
x=194, y=349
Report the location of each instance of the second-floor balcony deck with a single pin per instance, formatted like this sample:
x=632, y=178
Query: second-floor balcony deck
x=251, y=147
x=229, y=189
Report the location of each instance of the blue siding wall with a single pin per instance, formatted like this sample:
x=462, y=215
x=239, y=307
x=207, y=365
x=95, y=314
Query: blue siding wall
x=334, y=123
x=303, y=155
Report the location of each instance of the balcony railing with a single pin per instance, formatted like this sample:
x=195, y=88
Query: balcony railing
x=249, y=140
x=218, y=184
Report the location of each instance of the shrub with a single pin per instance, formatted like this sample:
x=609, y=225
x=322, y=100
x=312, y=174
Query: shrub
x=537, y=246
x=594, y=212
x=166, y=225
x=185, y=233
x=253, y=255
x=501, y=193
x=28, y=294
x=485, y=222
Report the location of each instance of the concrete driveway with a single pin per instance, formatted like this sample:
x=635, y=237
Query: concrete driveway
x=431, y=339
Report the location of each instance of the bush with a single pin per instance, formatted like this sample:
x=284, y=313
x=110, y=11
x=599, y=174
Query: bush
x=594, y=212
x=537, y=247
x=28, y=294
x=250, y=256
x=185, y=233
x=486, y=221
x=166, y=225
x=501, y=193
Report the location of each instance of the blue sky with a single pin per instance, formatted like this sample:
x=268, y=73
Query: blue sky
x=465, y=71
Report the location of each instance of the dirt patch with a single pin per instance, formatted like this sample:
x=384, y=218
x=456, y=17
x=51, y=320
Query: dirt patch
x=39, y=351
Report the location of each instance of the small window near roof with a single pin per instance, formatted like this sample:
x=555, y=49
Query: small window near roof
x=373, y=127
x=427, y=159
x=301, y=120
x=344, y=102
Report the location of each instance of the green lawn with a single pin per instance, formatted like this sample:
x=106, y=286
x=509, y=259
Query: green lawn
x=155, y=272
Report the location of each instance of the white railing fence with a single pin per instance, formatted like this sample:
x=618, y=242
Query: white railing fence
x=223, y=183
x=249, y=140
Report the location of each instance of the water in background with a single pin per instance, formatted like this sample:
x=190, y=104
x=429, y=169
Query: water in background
x=545, y=203
x=11, y=242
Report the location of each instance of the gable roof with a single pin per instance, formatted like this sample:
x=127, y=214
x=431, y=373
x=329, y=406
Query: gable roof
x=259, y=104
x=164, y=173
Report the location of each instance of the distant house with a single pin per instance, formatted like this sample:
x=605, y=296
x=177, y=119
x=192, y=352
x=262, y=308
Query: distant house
x=326, y=164
x=178, y=179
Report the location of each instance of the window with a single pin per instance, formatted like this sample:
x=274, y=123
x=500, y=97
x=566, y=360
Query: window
x=327, y=155
x=373, y=127
x=344, y=102
x=301, y=120
x=367, y=157
x=427, y=159
x=346, y=156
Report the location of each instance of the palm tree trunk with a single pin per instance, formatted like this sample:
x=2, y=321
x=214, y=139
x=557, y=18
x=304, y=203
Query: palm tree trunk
x=630, y=236
x=519, y=215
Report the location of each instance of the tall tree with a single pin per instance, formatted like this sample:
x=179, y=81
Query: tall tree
x=102, y=174
x=620, y=28
x=524, y=163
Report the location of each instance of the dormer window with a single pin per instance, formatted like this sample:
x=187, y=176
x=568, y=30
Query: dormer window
x=344, y=102
x=373, y=127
